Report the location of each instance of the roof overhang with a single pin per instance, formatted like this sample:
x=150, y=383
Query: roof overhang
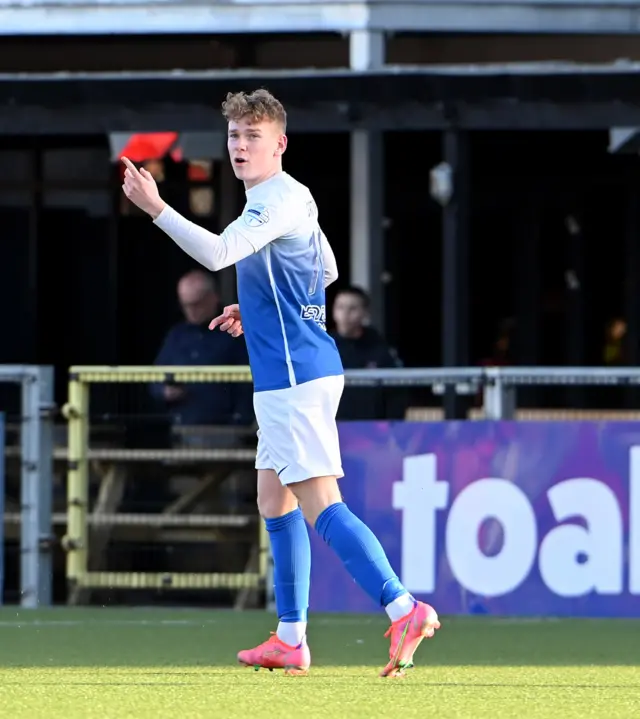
x=132, y=17
x=540, y=96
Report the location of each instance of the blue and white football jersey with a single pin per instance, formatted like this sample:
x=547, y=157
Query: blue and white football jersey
x=281, y=286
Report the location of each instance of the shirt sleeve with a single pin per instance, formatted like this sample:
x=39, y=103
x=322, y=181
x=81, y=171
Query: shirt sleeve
x=260, y=224
x=329, y=261
x=215, y=252
x=256, y=227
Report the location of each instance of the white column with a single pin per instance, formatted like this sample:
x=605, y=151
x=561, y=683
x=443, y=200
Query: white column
x=366, y=52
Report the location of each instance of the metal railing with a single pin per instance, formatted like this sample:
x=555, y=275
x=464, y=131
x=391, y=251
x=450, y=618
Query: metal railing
x=79, y=518
x=497, y=386
x=36, y=480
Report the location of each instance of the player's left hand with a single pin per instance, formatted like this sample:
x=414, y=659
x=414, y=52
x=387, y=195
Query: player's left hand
x=229, y=321
x=140, y=187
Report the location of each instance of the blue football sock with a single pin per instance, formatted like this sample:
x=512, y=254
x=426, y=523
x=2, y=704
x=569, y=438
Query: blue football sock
x=291, y=552
x=360, y=552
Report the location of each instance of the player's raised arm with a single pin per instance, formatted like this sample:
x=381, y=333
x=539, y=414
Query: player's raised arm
x=256, y=227
x=261, y=224
x=215, y=252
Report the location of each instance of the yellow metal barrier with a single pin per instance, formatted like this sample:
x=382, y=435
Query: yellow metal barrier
x=160, y=374
x=77, y=539
x=79, y=519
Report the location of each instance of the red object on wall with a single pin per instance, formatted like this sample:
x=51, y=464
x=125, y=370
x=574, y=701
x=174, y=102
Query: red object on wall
x=152, y=146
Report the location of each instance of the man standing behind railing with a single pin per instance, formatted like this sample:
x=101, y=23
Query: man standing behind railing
x=191, y=343
x=363, y=347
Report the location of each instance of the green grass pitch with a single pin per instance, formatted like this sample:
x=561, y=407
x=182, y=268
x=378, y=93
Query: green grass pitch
x=159, y=664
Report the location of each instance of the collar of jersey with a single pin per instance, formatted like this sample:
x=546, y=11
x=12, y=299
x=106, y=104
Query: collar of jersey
x=260, y=185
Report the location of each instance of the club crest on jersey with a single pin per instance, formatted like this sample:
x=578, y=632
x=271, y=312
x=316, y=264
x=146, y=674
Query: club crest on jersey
x=256, y=215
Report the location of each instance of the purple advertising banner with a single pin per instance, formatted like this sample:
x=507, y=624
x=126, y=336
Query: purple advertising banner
x=501, y=518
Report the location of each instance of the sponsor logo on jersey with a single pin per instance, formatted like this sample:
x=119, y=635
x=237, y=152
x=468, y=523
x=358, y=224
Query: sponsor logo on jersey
x=315, y=313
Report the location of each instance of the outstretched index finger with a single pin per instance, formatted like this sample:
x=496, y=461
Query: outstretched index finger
x=216, y=321
x=130, y=166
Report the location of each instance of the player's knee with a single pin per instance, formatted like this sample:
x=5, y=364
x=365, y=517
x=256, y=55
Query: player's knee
x=315, y=495
x=276, y=504
x=274, y=500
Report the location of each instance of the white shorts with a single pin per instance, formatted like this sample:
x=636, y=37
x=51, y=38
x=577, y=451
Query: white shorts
x=297, y=431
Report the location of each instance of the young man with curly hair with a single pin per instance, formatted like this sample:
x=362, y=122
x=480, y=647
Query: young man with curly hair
x=284, y=263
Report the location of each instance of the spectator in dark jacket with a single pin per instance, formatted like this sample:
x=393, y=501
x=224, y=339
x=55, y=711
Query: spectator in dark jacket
x=192, y=343
x=361, y=347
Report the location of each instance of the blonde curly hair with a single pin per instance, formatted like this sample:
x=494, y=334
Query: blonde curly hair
x=258, y=105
